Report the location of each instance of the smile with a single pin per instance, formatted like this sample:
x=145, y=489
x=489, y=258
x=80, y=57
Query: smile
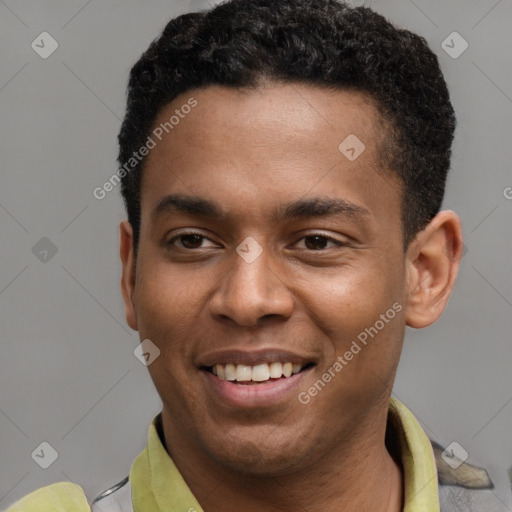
x=244, y=373
x=244, y=379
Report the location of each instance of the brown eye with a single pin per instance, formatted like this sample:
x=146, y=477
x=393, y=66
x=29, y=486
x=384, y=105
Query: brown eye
x=316, y=242
x=191, y=241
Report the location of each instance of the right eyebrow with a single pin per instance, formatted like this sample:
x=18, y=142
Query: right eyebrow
x=188, y=204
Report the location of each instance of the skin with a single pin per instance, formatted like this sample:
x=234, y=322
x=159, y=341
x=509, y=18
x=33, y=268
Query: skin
x=251, y=152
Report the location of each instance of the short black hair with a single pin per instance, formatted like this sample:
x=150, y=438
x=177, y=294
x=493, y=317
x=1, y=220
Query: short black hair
x=327, y=43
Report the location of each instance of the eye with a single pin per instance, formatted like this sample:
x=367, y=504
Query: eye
x=317, y=242
x=190, y=240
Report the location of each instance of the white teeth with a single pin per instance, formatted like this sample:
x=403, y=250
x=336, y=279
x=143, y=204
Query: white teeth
x=287, y=369
x=243, y=372
x=276, y=370
x=220, y=371
x=258, y=373
x=229, y=372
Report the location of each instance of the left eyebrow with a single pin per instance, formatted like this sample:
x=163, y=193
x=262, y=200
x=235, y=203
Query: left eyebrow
x=319, y=207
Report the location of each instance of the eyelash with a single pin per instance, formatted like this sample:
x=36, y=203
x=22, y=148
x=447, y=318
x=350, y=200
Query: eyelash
x=186, y=233
x=337, y=243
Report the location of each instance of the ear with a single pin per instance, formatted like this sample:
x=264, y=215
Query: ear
x=433, y=259
x=126, y=252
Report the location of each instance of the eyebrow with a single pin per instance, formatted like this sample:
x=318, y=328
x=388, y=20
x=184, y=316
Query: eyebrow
x=188, y=204
x=302, y=208
x=319, y=207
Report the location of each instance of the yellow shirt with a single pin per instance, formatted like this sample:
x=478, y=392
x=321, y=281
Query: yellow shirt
x=157, y=485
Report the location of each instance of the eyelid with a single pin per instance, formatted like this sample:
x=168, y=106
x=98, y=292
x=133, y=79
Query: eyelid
x=189, y=231
x=323, y=235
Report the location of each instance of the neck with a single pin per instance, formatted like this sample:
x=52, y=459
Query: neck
x=360, y=474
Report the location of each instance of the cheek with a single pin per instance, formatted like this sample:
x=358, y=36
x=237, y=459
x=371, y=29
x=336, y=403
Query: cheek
x=167, y=305
x=361, y=320
x=166, y=302
x=360, y=311
x=350, y=297
x=171, y=306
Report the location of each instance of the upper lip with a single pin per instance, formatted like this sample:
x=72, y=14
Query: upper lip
x=252, y=358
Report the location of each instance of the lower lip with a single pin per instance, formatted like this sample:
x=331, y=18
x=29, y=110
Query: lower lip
x=254, y=395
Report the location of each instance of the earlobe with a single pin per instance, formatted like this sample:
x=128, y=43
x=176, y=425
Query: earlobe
x=433, y=260
x=126, y=252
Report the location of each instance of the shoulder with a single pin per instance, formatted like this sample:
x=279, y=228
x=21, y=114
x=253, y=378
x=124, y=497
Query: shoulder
x=462, y=486
x=59, y=497
x=459, y=473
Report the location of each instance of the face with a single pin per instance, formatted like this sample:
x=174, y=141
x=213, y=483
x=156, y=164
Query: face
x=266, y=251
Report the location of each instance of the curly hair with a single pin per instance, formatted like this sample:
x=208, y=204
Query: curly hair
x=326, y=43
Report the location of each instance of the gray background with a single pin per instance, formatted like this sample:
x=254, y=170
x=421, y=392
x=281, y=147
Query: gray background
x=68, y=373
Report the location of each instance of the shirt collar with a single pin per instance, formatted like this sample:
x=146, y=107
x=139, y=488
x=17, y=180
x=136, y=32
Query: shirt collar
x=157, y=485
x=417, y=456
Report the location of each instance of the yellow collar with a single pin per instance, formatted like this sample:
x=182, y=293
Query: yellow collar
x=420, y=474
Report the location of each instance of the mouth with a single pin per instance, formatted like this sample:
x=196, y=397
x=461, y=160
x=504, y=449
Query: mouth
x=246, y=374
x=255, y=379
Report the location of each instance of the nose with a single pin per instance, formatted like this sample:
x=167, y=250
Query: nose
x=250, y=293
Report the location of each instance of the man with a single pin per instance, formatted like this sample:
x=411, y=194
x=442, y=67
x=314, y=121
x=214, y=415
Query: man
x=283, y=166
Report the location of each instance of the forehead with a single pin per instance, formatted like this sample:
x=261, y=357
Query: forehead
x=272, y=143
x=275, y=114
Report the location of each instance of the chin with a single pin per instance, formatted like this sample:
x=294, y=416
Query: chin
x=261, y=458
x=258, y=464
